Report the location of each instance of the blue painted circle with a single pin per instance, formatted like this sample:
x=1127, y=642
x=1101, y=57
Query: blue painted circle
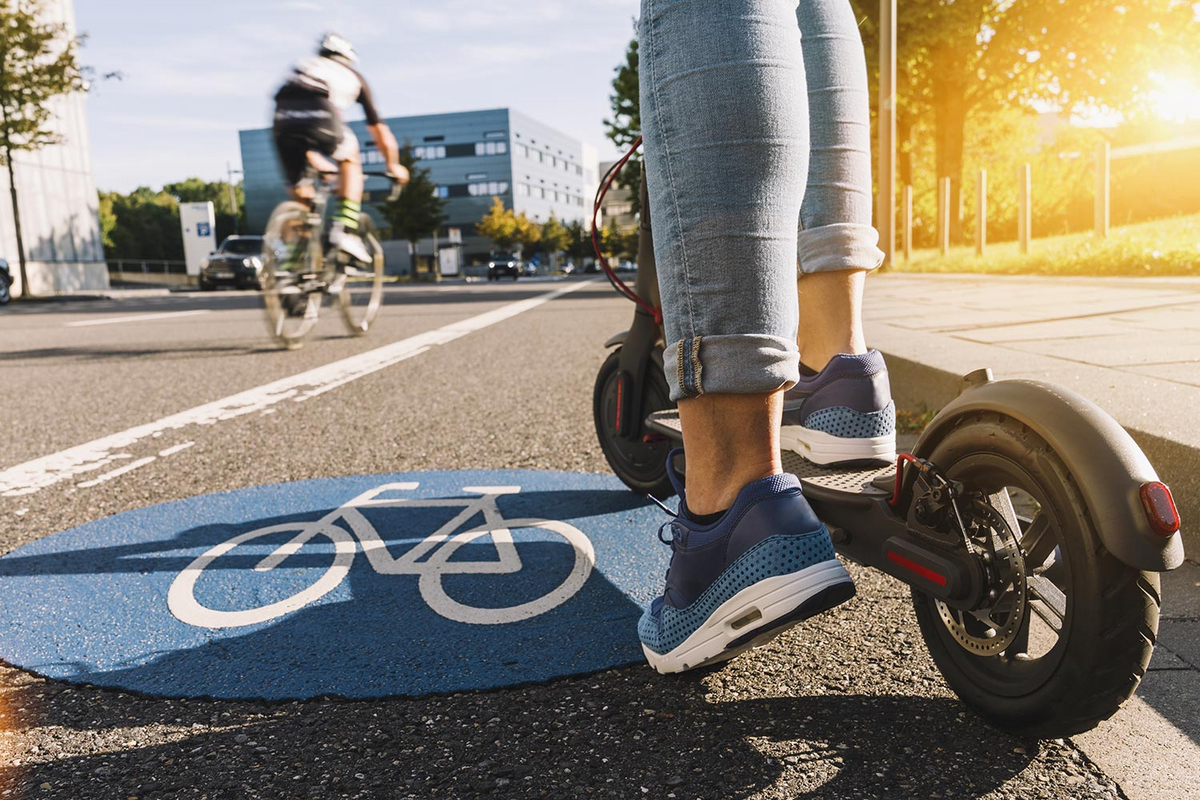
x=162, y=600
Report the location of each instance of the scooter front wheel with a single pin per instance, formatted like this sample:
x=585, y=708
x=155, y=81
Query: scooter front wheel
x=640, y=462
x=1087, y=622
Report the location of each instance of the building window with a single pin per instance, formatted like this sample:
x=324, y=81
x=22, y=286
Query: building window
x=542, y=192
x=429, y=152
x=456, y=150
x=491, y=148
x=495, y=135
x=523, y=189
x=476, y=176
x=541, y=158
x=441, y=191
x=487, y=188
x=434, y=139
x=553, y=162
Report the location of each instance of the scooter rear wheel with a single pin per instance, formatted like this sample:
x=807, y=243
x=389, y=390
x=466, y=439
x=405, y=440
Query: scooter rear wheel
x=1090, y=621
x=641, y=465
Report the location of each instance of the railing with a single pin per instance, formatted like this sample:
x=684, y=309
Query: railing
x=128, y=266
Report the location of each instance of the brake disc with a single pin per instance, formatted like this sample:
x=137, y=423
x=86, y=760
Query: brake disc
x=991, y=628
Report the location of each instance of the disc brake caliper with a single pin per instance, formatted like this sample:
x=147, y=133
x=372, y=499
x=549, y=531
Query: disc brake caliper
x=956, y=517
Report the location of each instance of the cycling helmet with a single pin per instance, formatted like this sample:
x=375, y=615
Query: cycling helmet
x=334, y=45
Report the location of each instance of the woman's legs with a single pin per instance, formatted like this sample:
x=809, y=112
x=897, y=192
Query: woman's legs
x=726, y=130
x=836, y=243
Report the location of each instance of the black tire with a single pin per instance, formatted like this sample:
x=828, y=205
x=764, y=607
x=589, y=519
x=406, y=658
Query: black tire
x=5, y=291
x=205, y=286
x=1111, y=610
x=642, y=466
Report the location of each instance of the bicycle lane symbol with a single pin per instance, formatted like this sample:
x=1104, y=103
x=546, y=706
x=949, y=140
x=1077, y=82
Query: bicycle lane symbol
x=436, y=549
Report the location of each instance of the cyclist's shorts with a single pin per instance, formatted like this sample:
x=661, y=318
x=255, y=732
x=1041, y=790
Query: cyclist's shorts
x=305, y=121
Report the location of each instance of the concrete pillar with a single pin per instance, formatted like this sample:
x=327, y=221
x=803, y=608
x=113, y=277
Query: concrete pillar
x=981, y=214
x=1103, y=189
x=886, y=210
x=1024, y=206
x=943, y=225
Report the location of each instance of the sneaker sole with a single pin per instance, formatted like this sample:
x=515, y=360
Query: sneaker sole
x=826, y=449
x=757, y=614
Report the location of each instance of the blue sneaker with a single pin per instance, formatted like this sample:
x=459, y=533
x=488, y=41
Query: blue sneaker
x=766, y=565
x=842, y=415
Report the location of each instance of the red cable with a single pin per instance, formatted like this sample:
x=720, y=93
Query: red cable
x=901, y=458
x=621, y=286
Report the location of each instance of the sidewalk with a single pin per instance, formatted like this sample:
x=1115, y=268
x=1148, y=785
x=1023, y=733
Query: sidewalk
x=1132, y=345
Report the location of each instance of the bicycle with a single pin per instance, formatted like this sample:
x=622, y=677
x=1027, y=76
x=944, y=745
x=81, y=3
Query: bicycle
x=298, y=273
x=436, y=550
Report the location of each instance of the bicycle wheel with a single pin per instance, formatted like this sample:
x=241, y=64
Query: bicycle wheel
x=439, y=564
x=362, y=293
x=185, y=607
x=291, y=265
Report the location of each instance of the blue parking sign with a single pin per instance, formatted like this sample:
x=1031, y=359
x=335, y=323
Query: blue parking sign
x=203, y=229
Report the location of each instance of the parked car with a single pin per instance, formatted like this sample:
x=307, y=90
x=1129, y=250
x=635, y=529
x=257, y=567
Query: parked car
x=504, y=265
x=530, y=268
x=6, y=280
x=626, y=266
x=237, y=262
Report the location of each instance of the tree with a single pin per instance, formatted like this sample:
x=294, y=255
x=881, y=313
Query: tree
x=143, y=224
x=37, y=64
x=418, y=211
x=626, y=124
x=499, y=224
x=580, y=244
x=555, y=237
x=526, y=232
x=195, y=190
x=980, y=56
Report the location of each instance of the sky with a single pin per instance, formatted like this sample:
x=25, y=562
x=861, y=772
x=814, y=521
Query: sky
x=194, y=74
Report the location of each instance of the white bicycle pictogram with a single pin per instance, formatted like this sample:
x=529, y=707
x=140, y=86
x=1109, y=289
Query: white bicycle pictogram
x=439, y=547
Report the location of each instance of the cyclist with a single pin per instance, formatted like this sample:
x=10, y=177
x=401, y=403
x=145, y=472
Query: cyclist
x=309, y=126
x=756, y=122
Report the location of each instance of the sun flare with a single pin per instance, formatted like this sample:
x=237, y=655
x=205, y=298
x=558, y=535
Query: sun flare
x=1176, y=99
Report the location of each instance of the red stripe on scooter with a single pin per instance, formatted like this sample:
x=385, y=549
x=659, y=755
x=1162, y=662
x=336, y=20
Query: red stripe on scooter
x=620, y=404
x=924, y=572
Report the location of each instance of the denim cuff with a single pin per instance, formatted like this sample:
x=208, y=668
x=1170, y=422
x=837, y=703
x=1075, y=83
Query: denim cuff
x=730, y=364
x=842, y=246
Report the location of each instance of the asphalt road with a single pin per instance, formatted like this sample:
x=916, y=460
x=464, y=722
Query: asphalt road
x=848, y=705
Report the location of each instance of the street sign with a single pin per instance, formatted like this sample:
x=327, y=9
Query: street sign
x=365, y=586
x=197, y=221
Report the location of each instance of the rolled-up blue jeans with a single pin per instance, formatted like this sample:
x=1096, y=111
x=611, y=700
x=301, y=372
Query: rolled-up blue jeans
x=757, y=146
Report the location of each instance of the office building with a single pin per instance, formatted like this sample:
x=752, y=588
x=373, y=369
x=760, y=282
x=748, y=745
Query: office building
x=472, y=156
x=60, y=214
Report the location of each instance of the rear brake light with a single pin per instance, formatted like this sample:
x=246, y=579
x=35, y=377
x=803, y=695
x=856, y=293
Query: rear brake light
x=1160, y=508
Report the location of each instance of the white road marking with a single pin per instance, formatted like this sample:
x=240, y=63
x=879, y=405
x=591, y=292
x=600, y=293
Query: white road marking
x=136, y=318
x=33, y=476
x=170, y=451
x=108, y=476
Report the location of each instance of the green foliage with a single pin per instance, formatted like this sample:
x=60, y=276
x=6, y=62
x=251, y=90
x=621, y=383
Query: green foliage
x=144, y=224
x=499, y=224
x=1161, y=248
x=195, y=190
x=626, y=124
x=555, y=236
x=961, y=63
x=526, y=232
x=418, y=212
x=579, y=243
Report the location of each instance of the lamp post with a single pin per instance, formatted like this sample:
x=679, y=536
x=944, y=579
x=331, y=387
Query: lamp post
x=229, y=173
x=887, y=130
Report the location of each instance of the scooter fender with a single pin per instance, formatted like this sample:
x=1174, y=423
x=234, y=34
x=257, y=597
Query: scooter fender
x=616, y=340
x=1106, y=463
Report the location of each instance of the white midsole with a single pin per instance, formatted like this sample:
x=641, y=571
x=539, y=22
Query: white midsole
x=824, y=448
x=772, y=598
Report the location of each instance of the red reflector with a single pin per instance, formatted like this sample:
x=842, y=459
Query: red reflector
x=912, y=566
x=1160, y=508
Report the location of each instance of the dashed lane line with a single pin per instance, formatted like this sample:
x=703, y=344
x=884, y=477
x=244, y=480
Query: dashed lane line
x=83, y=323
x=41, y=473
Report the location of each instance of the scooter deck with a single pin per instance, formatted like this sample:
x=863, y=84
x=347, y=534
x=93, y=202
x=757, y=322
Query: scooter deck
x=868, y=481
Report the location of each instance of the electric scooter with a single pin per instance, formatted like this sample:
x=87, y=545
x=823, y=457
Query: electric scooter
x=1028, y=524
